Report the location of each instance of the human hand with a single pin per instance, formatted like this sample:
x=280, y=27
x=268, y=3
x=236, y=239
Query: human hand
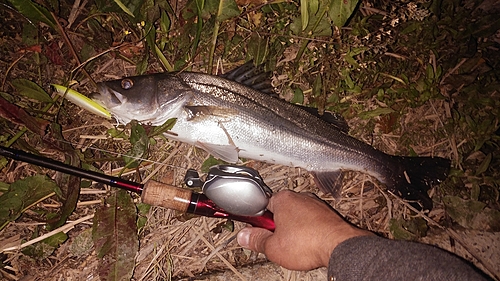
x=307, y=231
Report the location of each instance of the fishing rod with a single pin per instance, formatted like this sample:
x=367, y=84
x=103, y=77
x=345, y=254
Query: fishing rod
x=229, y=191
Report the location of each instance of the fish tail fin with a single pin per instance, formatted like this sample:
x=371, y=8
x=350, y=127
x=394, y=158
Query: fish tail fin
x=410, y=178
x=414, y=176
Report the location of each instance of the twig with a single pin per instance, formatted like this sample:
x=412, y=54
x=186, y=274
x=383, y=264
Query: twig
x=75, y=10
x=65, y=228
x=79, y=204
x=71, y=48
x=153, y=260
x=224, y=260
x=361, y=200
x=217, y=249
x=373, y=11
x=10, y=67
x=449, y=72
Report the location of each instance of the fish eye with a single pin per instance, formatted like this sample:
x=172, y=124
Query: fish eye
x=127, y=84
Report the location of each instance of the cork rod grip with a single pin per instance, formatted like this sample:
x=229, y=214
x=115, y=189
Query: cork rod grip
x=167, y=196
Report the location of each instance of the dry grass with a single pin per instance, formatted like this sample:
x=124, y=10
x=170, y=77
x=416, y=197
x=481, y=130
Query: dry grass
x=174, y=246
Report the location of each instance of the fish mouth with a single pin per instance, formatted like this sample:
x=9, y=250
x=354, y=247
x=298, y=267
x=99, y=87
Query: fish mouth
x=123, y=109
x=108, y=97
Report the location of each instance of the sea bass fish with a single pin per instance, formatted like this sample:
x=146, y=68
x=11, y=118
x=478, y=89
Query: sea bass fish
x=230, y=120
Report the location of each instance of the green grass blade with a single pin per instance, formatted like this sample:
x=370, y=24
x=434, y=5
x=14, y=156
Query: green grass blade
x=124, y=8
x=35, y=12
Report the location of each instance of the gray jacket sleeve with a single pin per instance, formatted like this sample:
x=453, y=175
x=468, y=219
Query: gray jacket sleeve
x=376, y=258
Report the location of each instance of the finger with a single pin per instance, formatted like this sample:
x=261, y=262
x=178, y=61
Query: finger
x=310, y=194
x=278, y=198
x=254, y=238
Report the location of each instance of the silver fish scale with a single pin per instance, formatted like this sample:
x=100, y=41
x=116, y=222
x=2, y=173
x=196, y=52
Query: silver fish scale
x=280, y=128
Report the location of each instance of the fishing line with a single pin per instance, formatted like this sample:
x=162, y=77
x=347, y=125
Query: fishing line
x=118, y=154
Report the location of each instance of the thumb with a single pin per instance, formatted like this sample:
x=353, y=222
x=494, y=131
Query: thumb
x=254, y=238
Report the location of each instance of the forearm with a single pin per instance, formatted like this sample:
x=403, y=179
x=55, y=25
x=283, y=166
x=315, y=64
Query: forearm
x=375, y=258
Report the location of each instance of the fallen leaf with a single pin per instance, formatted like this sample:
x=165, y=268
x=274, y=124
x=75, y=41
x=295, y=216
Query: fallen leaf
x=19, y=116
x=22, y=194
x=115, y=237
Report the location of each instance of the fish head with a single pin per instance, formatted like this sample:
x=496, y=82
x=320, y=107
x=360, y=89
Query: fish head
x=149, y=99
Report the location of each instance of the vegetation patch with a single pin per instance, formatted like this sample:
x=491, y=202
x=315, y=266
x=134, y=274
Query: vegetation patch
x=413, y=78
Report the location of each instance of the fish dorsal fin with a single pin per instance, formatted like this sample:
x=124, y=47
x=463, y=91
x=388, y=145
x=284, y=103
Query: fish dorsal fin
x=254, y=77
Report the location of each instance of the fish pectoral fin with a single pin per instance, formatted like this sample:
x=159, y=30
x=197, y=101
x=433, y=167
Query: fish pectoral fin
x=329, y=182
x=228, y=153
x=203, y=111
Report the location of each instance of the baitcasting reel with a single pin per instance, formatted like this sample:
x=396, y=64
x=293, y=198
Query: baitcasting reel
x=238, y=190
